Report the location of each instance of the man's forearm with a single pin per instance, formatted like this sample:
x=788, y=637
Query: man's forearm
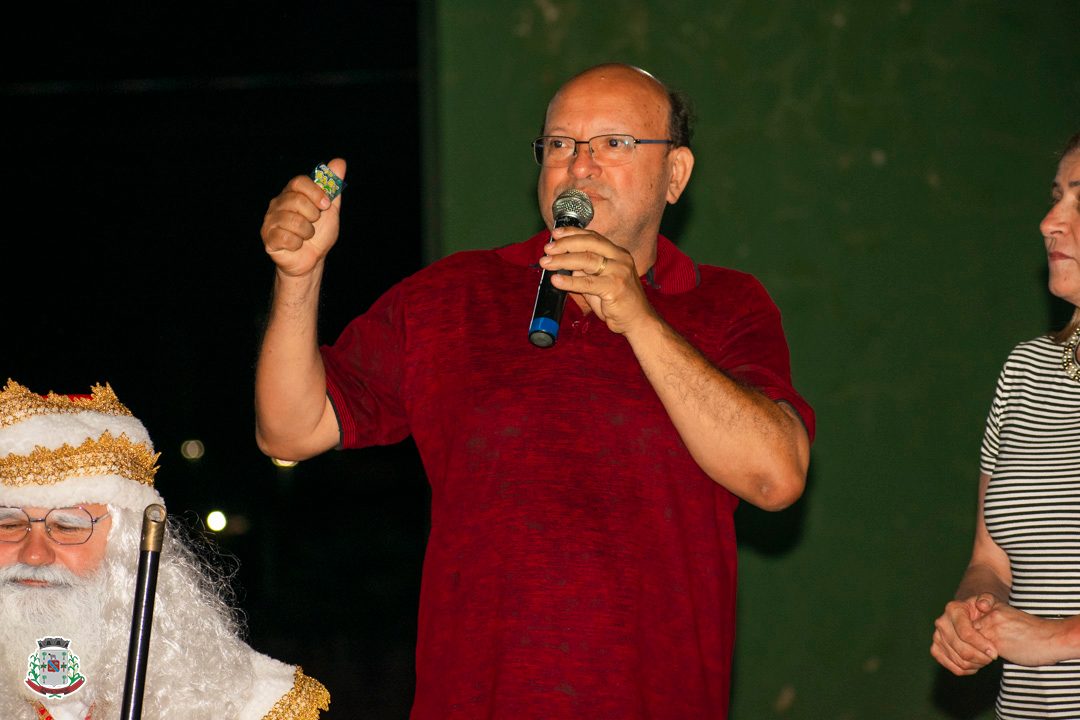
x=290, y=382
x=740, y=438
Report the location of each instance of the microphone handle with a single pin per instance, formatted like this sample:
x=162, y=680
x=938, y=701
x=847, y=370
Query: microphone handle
x=548, y=309
x=547, y=312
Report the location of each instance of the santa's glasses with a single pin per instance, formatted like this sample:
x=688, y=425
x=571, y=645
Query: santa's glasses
x=64, y=526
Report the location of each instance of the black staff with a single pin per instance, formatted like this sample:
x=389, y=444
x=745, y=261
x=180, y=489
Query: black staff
x=142, y=615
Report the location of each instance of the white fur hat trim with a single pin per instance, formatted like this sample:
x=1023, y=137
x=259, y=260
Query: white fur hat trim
x=53, y=431
x=103, y=489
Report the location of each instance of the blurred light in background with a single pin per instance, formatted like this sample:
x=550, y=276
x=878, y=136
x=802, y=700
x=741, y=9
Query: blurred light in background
x=216, y=520
x=192, y=449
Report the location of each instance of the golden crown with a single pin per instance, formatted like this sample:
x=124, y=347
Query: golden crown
x=18, y=403
x=105, y=455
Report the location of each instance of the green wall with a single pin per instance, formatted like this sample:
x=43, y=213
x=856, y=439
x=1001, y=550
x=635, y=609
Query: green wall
x=882, y=167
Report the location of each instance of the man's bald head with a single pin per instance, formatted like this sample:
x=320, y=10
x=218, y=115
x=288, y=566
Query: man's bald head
x=680, y=114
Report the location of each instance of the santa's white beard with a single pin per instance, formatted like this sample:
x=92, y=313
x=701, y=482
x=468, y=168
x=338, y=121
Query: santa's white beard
x=193, y=640
x=70, y=608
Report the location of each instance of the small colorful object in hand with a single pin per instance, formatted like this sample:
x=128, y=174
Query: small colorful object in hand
x=325, y=178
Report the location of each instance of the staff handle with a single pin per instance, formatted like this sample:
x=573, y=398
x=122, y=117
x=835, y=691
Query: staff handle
x=142, y=613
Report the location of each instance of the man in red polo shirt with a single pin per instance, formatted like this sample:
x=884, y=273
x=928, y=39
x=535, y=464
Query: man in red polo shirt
x=581, y=561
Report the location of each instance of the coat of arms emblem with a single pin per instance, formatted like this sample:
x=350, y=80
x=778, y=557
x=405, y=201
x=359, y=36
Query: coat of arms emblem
x=54, y=669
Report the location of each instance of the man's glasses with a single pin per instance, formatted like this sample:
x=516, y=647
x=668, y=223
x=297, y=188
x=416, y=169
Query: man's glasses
x=64, y=526
x=606, y=150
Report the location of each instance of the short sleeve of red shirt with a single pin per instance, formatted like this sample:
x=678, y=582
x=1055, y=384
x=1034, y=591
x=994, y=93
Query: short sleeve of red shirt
x=755, y=351
x=364, y=375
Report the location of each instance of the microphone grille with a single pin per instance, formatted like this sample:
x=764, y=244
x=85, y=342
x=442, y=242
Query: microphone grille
x=573, y=204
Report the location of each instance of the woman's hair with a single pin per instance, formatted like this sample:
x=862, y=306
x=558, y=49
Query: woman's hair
x=1073, y=144
x=1063, y=334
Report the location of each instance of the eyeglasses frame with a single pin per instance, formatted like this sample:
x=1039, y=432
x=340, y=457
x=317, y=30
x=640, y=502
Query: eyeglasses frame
x=31, y=520
x=539, y=161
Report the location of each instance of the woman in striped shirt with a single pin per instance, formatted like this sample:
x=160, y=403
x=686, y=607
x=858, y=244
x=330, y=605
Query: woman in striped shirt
x=1019, y=598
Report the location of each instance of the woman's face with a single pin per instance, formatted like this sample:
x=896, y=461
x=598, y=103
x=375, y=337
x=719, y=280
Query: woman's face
x=1061, y=230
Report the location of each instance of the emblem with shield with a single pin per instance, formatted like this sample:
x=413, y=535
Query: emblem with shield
x=53, y=669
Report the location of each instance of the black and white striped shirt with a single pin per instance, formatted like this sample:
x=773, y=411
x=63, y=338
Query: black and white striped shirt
x=1031, y=451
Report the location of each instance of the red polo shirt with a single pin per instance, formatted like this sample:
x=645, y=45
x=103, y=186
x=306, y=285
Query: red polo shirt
x=580, y=563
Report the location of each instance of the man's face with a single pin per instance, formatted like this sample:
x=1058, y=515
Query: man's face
x=628, y=200
x=38, y=550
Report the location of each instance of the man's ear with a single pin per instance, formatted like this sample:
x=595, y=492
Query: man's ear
x=681, y=162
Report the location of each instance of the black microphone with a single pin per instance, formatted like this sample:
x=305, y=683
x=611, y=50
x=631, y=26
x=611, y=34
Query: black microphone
x=571, y=209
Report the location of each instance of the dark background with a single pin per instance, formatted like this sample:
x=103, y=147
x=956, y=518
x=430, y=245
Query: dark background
x=141, y=148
